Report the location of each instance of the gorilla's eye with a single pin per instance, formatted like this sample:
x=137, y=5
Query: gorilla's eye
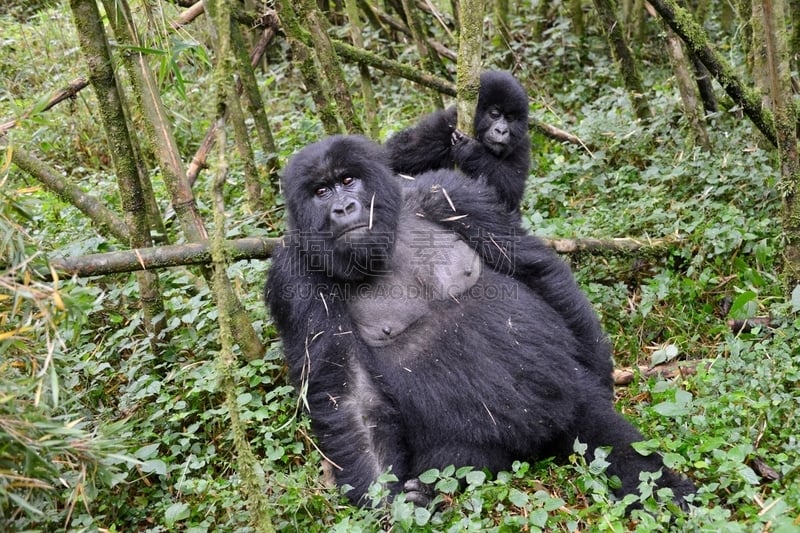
x=494, y=113
x=320, y=191
x=347, y=180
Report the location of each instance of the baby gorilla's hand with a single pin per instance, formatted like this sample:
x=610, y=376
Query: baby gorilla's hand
x=458, y=136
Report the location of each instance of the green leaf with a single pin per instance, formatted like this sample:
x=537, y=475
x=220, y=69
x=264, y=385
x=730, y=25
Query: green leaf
x=421, y=516
x=678, y=407
x=244, y=398
x=538, y=518
x=476, y=477
x=447, y=485
x=145, y=452
x=54, y=385
x=429, y=476
x=23, y=504
x=517, y=497
x=175, y=513
x=796, y=299
x=749, y=475
x=646, y=447
x=463, y=471
x=744, y=306
x=665, y=354
x=154, y=466
x=579, y=447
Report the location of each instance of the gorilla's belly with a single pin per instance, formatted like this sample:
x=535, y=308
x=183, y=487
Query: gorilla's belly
x=429, y=266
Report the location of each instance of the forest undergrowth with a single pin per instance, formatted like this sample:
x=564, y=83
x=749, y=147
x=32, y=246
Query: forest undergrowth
x=98, y=433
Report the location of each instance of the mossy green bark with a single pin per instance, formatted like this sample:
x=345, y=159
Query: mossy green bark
x=247, y=466
x=94, y=45
x=624, y=58
x=468, y=70
x=696, y=40
x=779, y=73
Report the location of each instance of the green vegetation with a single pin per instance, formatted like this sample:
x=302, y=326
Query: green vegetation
x=98, y=433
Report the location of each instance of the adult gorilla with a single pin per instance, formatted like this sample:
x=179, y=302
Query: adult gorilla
x=426, y=329
x=500, y=153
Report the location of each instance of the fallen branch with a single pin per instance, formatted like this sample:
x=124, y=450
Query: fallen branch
x=623, y=244
x=624, y=376
x=748, y=324
x=74, y=87
x=397, y=25
x=188, y=16
x=55, y=181
x=556, y=133
x=197, y=253
x=365, y=57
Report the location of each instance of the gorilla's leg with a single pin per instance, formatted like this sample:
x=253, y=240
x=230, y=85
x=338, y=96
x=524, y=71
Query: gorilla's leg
x=603, y=426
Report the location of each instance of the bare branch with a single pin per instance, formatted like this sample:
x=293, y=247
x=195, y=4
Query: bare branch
x=196, y=253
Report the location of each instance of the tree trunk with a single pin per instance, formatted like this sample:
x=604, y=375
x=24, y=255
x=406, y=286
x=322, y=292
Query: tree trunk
x=253, y=486
x=252, y=180
x=540, y=20
x=303, y=55
x=198, y=162
x=233, y=111
x=430, y=60
x=758, y=46
x=624, y=57
x=794, y=40
x=94, y=45
x=468, y=70
x=502, y=37
x=777, y=56
x=687, y=89
x=330, y=68
x=576, y=17
x=367, y=94
x=696, y=41
x=255, y=107
x=744, y=10
x=166, y=153
x=705, y=86
x=162, y=141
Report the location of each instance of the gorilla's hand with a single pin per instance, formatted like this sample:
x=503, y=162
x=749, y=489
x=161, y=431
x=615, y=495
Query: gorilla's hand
x=458, y=136
x=418, y=493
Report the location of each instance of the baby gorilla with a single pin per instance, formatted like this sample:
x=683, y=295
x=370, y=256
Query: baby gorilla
x=425, y=328
x=500, y=154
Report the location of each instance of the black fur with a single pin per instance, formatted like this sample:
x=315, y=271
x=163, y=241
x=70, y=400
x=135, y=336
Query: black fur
x=500, y=153
x=459, y=339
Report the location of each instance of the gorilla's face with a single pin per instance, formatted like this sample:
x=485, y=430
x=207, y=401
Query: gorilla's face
x=501, y=117
x=343, y=203
x=493, y=130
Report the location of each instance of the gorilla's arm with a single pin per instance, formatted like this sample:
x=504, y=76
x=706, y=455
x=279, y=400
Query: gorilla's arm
x=426, y=146
x=355, y=423
x=507, y=248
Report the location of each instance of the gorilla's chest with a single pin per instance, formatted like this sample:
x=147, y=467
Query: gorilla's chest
x=429, y=265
